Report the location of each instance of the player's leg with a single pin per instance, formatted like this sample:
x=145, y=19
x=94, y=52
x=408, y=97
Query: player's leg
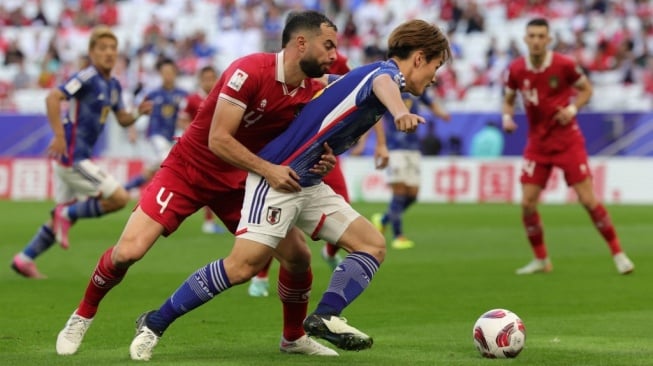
x=160, y=211
x=23, y=261
x=158, y=149
x=533, y=179
x=104, y=195
x=603, y=223
x=139, y=235
x=336, y=180
x=330, y=218
x=405, y=189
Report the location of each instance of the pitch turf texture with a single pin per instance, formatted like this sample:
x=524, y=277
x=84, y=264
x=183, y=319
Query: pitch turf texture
x=420, y=308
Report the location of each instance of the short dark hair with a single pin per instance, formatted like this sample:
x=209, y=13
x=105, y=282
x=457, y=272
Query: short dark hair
x=304, y=20
x=538, y=22
x=208, y=68
x=165, y=61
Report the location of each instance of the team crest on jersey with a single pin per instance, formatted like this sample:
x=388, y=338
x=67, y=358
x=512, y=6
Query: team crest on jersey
x=554, y=82
x=274, y=215
x=237, y=79
x=261, y=106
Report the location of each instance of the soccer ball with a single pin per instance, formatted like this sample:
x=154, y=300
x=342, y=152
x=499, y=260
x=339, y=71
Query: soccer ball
x=499, y=333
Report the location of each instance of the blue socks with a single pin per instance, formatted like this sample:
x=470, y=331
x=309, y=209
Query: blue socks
x=83, y=209
x=202, y=286
x=42, y=241
x=135, y=182
x=348, y=281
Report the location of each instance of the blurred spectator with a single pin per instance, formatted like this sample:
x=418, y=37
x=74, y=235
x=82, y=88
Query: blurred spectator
x=13, y=55
x=40, y=18
x=22, y=79
x=107, y=12
x=474, y=18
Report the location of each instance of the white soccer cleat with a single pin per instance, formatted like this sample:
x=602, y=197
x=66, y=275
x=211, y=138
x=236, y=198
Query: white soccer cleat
x=336, y=330
x=306, y=346
x=623, y=263
x=144, y=341
x=536, y=266
x=71, y=336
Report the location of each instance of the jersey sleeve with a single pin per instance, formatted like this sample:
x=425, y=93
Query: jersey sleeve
x=573, y=71
x=74, y=85
x=241, y=83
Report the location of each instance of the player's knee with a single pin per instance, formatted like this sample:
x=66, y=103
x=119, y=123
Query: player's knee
x=116, y=201
x=128, y=251
x=239, y=272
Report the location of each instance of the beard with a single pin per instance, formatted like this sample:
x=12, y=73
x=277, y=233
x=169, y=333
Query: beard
x=312, y=68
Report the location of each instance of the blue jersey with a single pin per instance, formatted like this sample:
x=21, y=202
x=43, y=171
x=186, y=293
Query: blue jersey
x=397, y=140
x=166, y=104
x=91, y=98
x=338, y=115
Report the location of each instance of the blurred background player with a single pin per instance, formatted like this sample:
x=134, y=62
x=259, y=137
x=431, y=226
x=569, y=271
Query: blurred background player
x=547, y=81
x=403, y=172
x=83, y=189
x=163, y=122
x=207, y=77
x=260, y=284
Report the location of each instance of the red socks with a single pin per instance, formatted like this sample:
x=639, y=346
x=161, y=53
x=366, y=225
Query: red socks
x=105, y=277
x=294, y=289
x=535, y=234
x=603, y=224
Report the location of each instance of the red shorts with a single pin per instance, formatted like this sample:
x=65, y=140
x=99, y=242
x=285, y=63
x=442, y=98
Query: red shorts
x=178, y=190
x=336, y=180
x=537, y=168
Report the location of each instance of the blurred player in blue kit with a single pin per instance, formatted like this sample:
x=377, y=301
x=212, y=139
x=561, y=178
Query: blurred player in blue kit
x=82, y=188
x=403, y=172
x=167, y=101
x=337, y=117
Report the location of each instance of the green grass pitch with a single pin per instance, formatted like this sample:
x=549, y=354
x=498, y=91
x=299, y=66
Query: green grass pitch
x=420, y=308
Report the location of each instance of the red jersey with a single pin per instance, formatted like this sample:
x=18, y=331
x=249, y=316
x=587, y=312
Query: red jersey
x=257, y=84
x=543, y=92
x=340, y=66
x=193, y=103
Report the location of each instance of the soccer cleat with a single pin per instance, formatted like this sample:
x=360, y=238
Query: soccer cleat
x=26, y=268
x=71, y=336
x=61, y=225
x=401, y=242
x=623, y=263
x=336, y=330
x=210, y=227
x=536, y=266
x=306, y=346
x=258, y=287
x=377, y=221
x=334, y=261
x=144, y=341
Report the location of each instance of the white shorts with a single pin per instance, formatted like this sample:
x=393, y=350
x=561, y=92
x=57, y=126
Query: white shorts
x=267, y=215
x=83, y=179
x=158, y=149
x=404, y=167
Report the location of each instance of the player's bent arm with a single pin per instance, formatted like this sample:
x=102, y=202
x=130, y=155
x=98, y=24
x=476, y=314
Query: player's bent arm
x=585, y=90
x=388, y=93
x=226, y=120
x=53, y=111
x=508, y=110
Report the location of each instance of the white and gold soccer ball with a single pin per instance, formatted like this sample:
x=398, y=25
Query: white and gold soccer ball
x=499, y=333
